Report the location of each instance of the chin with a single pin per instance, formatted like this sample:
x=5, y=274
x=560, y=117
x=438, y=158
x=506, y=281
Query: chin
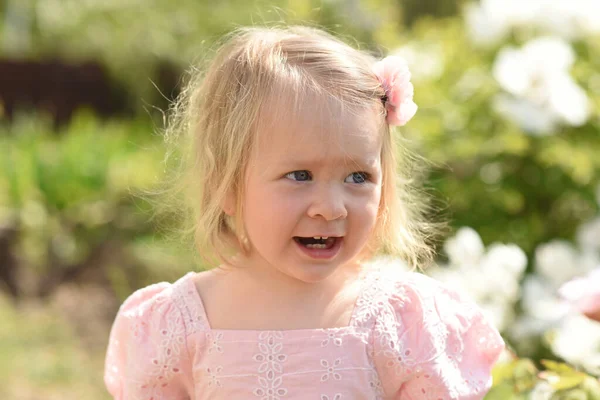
x=313, y=273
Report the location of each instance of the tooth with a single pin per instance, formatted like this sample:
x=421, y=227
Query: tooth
x=325, y=237
x=317, y=237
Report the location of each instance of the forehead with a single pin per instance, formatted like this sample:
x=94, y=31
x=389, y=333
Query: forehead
x=318, y=130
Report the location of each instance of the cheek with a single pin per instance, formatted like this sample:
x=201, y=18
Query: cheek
x=366, y=209
x=372, y=211
x=254, y=206
x=373, y=202
x=270, y=207
x=274, y=200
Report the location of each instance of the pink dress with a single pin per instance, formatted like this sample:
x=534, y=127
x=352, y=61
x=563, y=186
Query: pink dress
x=409, y=338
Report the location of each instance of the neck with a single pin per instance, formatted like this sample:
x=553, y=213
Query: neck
x=255, y=274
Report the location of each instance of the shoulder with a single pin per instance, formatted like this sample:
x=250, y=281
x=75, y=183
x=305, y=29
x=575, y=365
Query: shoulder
x=390, y=283
x=148, y=353
x=175, y=303
x=416, y=299
x=146, y=300
x=409, y=291
x=431, y=337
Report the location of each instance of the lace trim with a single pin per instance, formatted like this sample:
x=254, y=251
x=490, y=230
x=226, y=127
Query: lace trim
x=403, y=361
x=170, y=345
x=184, y=297
x=367, y=305
x=368, y=312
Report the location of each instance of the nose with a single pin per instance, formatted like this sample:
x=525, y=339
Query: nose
x=328, y=203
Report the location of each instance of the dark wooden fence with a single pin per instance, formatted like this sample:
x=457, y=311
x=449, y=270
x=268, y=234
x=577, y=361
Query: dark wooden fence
x=59, y=88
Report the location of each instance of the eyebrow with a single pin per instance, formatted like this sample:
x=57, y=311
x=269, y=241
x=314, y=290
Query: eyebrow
x=320, y=162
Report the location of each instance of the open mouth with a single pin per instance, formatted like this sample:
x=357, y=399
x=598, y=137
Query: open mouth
x=316, y=242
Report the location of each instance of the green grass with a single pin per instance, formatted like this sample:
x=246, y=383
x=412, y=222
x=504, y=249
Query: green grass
x=42, y=357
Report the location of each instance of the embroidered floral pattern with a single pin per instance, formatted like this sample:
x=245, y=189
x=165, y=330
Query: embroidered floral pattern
x=331, y=370
x=366, y=305
x=193, y=313
x=333, y=338
x=213, y=374
x=336, y=396
x=405, y=339
x=271, y=359
x=375, y=383
x=270, y=355
x=214, y=341
x=386, y=331
x=168, y=336
x=270, y=389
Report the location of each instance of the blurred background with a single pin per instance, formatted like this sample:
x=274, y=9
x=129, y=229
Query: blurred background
x=509, y=96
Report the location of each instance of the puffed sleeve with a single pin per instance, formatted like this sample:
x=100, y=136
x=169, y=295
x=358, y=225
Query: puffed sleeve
x=147, y=356
x=431, y=343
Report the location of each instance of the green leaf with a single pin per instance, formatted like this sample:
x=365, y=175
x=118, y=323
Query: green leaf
x=561, y=376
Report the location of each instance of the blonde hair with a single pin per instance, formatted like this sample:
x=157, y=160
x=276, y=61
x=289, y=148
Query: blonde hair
x=216, y=118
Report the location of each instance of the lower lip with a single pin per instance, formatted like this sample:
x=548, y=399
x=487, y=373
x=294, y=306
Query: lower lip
x=322, y=254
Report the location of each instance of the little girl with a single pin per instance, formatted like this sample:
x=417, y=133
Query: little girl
x=294, y=168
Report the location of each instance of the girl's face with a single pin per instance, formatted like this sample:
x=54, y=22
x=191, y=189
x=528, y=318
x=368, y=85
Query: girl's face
x=317, y=176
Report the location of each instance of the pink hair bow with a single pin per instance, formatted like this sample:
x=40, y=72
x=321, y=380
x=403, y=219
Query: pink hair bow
x=394, y=75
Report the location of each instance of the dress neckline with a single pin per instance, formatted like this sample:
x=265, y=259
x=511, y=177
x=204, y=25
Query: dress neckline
x=197, y=299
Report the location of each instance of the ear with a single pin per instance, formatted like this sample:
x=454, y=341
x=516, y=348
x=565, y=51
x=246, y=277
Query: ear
x=229, y=204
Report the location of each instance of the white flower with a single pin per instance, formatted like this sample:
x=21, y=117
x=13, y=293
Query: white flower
x=465, y=248
x=542, y=311
x=490, y=21
x=577, y=340
x=543, y=94
x=499, y=314
x=516, y=69
x=588, y=235
x=424, y=60
x=483, y=289
x=567, y=100
x=501, y=269
x=510, y=256
x=483, y=28
x=539, y=299
x=527, y=328
x=570, y=19
x=530, y=117
x=491, y=278
x=557, y=262
x=589, y=260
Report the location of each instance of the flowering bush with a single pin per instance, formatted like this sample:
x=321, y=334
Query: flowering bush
x=70, y=206
x=555, y=312
x=508, y=98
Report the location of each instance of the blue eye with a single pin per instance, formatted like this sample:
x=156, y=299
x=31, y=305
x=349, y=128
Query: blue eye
x=357, y=177
x=299, y=176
